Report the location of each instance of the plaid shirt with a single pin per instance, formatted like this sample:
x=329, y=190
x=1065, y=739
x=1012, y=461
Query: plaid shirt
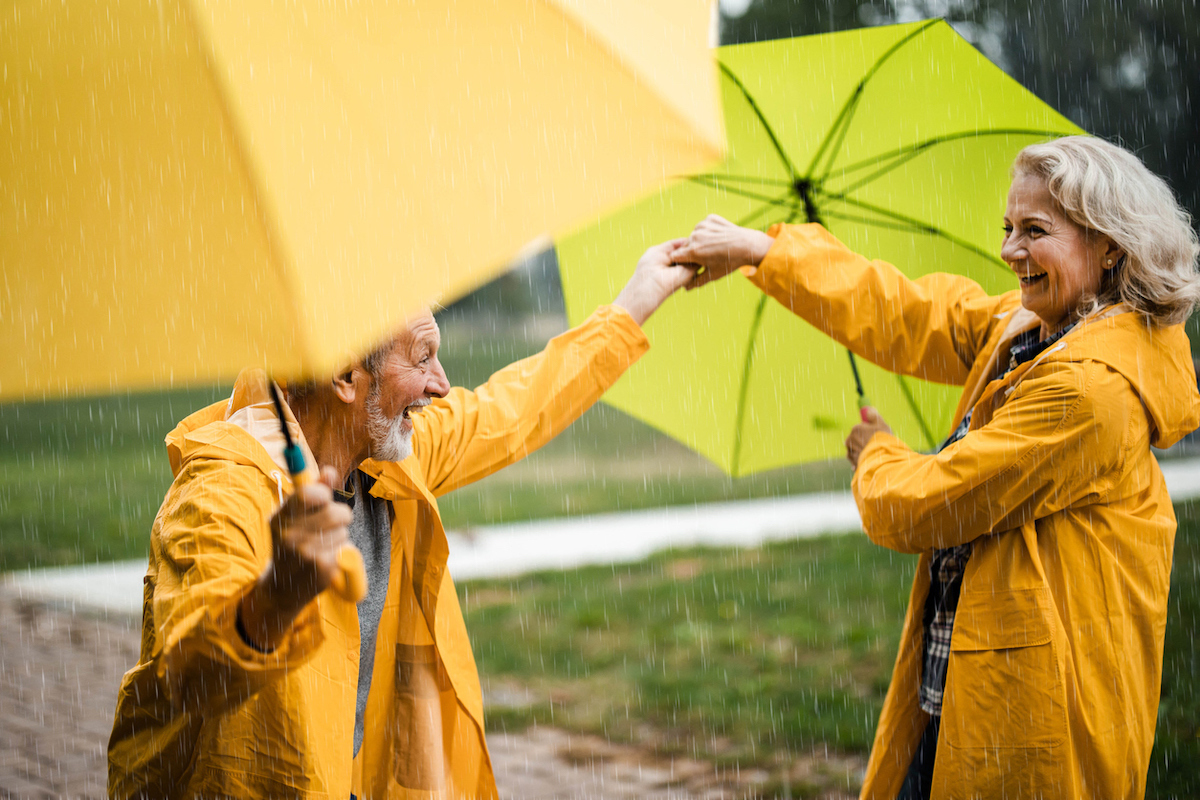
x=947, y=566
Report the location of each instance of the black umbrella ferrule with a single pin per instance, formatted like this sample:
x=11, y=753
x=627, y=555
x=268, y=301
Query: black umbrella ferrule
x=803, y=187
x=292, y=453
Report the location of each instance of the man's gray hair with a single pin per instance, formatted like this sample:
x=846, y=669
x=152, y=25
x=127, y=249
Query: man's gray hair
x=1104, y=187
x=372, y=363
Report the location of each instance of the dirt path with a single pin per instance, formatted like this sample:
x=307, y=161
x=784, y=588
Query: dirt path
x=59, y=674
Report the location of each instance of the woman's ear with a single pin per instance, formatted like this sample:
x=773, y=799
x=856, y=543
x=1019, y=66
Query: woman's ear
x=1112, y=254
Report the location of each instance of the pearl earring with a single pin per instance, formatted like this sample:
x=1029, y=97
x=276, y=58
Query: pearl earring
x=1110, y=262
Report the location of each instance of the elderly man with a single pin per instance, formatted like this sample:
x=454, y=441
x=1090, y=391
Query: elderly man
x=255, y=682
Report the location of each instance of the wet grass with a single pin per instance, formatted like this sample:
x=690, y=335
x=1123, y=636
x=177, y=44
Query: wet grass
x=742, y=657
x=81, y=479
x=750, y=657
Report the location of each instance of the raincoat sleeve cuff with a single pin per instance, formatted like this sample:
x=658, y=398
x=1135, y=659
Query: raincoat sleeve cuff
x=865, y=487
x=625, y=331
x=205, y=648
x=778, y=272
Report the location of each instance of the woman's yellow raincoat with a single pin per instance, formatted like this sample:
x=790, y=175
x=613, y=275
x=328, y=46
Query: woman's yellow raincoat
x=204, y=715
x=1056, y=657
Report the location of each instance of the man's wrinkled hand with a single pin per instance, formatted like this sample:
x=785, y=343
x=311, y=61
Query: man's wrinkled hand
x=307, y=532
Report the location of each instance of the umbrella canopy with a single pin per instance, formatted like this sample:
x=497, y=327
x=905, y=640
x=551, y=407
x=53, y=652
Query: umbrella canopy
x=899, y=139
x=191, y=187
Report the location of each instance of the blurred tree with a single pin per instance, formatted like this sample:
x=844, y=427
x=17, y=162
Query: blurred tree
x=530, y=287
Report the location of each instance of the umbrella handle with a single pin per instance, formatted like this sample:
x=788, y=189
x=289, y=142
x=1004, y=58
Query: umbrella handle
x=350, y=581
x=862, y=407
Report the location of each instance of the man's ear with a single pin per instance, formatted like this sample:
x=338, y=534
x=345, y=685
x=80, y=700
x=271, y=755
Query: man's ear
x=345, y=387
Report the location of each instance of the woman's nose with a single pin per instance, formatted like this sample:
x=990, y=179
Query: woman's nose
x=1012, y=250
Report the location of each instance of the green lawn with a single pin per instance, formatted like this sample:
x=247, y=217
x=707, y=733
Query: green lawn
x=80, y=480
x=742, y=657
x=748, y=657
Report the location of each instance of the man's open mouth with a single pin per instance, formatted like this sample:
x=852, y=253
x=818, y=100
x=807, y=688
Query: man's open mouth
x=415, y=408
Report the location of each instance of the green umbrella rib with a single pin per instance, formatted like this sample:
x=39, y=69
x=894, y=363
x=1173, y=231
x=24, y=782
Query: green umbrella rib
x=744, y=389
x=918, y=227
x=912, y=404
x=903, y=155
x=745, y=221
x=721, y=176
x=704, y=180
x=787, y=162
x=879, y=223
x=841, y=125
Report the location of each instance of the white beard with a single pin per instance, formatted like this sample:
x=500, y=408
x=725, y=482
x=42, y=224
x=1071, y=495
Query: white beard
x=388, y=441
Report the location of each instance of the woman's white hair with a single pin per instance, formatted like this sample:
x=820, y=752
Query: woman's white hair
x=1105, y=188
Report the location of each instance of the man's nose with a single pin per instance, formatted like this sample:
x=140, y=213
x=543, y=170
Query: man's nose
x=439, y=384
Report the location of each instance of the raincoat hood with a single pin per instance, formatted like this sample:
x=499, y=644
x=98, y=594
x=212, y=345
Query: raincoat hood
x=1166, y=383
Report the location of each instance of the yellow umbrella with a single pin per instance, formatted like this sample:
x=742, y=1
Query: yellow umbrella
x=191, y=187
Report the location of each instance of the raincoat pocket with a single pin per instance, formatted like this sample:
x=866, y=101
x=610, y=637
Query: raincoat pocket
x=1004, y=685
x=419, y=756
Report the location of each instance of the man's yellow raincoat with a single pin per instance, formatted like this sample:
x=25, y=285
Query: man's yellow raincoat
x=1056, y=657
x=204, y=715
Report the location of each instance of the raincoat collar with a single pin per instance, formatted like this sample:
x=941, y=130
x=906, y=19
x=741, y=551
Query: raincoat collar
x=397, y=480
x=1016, y=322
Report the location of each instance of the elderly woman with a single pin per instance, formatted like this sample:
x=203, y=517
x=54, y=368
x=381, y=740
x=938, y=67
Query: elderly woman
x=1031, y=657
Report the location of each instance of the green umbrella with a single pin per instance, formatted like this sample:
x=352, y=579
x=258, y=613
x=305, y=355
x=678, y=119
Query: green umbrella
x=899, y=139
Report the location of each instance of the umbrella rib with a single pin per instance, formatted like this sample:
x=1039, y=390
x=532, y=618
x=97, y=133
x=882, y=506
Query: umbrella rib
x=744, y=389
x=920, y=227
x=704, y=180
x=787, y=162
x=746, y=220
x=837, y=126
x=879, y=223
x=719, y=176
x=841, y=125
x=912, y=404
x=902, y=155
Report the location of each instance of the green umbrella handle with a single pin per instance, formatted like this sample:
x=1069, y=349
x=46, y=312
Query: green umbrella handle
x=862, y=398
